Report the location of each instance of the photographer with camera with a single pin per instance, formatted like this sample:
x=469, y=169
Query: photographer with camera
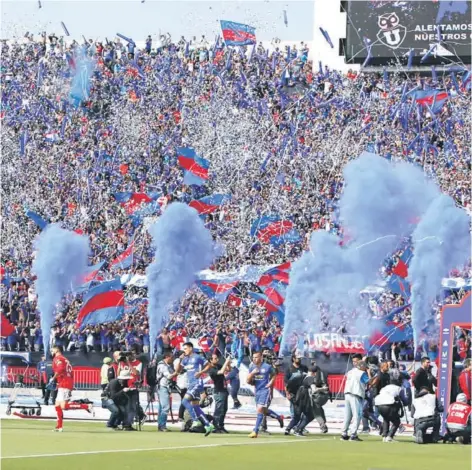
x=389, y=404
x=426, y=411
x=127, y=361
x=164, y=375
x=115, y=399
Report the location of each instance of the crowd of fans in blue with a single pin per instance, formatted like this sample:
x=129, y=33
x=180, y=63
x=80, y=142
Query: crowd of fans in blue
x=276, y=130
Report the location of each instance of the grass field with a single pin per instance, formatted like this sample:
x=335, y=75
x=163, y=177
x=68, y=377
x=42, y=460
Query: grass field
x=30, y=445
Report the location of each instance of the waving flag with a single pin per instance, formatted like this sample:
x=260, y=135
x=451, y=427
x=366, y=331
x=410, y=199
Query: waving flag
x=275, y=292
x=279, y=273
x=272, y=229
x=263, y=301
x=125, y=259
x=234, y=300
x=435, y=99
x=209, y=204
x=217, y=290
x=104, y=303
x=398, y=285
x=89, y=277
x=196, y=167
x=401, y=268
x=6, y=328
x=238, y=34
x=132, y=201
x=51, y=136
x=391, y=330
x=36, y=218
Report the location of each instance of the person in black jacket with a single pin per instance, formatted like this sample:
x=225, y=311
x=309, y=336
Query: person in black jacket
x=320, y=395
x=424, y=376
x=117, y=391
x=293, y=379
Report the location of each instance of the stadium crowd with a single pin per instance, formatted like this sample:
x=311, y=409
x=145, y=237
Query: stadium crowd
x=276, y=131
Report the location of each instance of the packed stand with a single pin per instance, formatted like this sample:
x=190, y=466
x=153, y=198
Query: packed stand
x=277, y=135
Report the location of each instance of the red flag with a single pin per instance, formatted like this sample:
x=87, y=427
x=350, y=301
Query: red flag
x=6, y=328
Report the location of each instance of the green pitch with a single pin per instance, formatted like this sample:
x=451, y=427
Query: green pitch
x=91, y=446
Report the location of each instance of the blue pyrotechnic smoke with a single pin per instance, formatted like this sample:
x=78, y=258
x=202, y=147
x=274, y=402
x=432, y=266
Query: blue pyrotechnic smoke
x=61, y=260
x=80, y=87
x=379, y=201
x=183, y=247
x=441, y=243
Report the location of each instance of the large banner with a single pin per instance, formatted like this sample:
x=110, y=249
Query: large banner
x=391, y=28
x=334, y=342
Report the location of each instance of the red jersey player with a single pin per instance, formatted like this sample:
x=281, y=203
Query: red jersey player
x=65, y=383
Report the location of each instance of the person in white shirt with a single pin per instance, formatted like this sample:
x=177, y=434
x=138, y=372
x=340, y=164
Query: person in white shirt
x=357, y=380
x=182, y=385
x=389, y=406
x=425, y=410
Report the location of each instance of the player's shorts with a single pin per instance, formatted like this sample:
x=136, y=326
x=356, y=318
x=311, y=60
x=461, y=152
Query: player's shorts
x=63, y=394
x=263, y=398
x=195, y=391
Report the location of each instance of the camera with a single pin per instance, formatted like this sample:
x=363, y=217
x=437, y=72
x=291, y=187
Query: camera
x=124, y=355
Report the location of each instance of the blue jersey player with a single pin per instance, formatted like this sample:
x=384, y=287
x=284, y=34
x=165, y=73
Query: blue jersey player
x=262, y=376
x=193, y=364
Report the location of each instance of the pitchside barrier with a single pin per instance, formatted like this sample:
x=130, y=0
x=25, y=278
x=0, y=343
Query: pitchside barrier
x=89, y=379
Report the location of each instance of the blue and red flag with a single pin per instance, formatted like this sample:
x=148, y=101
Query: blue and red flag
x=90, y=276
x=401, y=268
x=104, y=303
x=132, y=202
x=209, y=204
x=274, y=230
x=263, y=301
x=195, y=167
x=398, y=285
x=238, y=34
x=276, y=292
x=435, y=99
x=218, y=290
x=279, y=273
x=391, y=329
x=125, y=259
x=51, y=136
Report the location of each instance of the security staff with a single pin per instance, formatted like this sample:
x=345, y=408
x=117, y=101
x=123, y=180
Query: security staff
x=164, y=374
x=424, y=377
x=293, y=379
x=220, y=392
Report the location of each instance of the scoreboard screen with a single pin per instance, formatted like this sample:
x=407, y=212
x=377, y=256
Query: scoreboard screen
x=391, y=28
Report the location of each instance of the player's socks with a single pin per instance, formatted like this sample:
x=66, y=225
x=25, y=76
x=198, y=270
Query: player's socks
x=60, y=416
x=201, y=415
x=259, y=419
x=77, y=406
x=190, y=408
x=273, y=414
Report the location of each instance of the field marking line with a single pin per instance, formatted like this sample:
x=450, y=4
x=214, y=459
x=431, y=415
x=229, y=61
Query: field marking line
x=152, y=449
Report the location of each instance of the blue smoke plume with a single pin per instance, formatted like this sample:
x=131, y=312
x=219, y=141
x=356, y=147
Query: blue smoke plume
x=441, y=243
x=379, y=201
x=183, y=247
x=61, y=260
x=80, y=87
